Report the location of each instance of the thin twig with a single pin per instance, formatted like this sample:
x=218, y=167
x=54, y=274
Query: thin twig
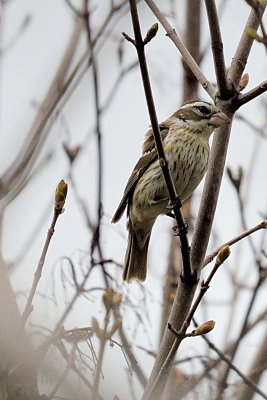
x=210, y=257
x=23, y=162
x=64, y=375
x=252, y=94
x=56, y=98
x=217, y=48
x=243, y=49
x=203, y=289
x=103, y=341
x=170, y=32
x=257, y=369
x=225, y=374
x=37, y=275
x=248, y=381
x=127, y=349
x=97, y=230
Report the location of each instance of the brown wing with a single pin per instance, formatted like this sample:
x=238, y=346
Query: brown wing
x=140, y=168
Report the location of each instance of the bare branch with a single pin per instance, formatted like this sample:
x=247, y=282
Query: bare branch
x=246, y=380
x=242, y=52
x=217, y=48
x=257, y=369
x=192, y=43
x=183, y=50
x=35, y=139
x=60, y=197
x=224, y=375
x=211, y=256
x=252, y=94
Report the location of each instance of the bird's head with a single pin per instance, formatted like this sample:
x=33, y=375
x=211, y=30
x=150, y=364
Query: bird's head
x=200, y=116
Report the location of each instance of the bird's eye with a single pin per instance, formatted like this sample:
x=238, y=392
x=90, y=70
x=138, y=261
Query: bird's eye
x=203, y=110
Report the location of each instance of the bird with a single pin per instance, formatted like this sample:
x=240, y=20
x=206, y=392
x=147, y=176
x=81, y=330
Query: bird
x=185, y=138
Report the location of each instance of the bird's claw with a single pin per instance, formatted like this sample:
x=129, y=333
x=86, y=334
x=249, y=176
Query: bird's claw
x=175, y=202
x=179, y=231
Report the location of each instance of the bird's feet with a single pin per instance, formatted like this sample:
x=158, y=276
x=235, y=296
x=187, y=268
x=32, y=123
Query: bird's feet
x=176, y=202
x=179, y=231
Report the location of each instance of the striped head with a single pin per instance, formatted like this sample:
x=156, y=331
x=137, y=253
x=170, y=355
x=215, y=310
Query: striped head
x=201, y=117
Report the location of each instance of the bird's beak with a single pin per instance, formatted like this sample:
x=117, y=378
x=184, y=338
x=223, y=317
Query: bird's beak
x=219, y=119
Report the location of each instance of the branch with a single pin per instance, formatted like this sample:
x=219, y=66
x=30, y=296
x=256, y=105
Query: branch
x=217, y=48
x=246, y=380
x=58, y=94
x=20, y=166
x=97, y=230
x=175, y=201
x=210, y=257
x=136, y=367
x=256, y=370
x=192, y=43
x=170, y=32
x=242, y=52
x=228, y=348
x=252, y=94
x=60, y=197
x=223, y=254
x=224, y=375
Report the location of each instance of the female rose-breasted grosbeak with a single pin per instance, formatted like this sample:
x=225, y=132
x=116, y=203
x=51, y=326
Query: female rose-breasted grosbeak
x=185, y=137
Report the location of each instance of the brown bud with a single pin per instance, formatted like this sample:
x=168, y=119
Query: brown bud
x=237, y=178
x=111, y=299
x=71, y=152
x=223, y=254
x=243, y=82
x=204, y=328
x=60, y=196
x=252, y=33
x=116, y=325
x=96, y=328
x=151, y=33
x=120, y=51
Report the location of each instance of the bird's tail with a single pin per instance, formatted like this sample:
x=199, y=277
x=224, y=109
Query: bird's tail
x=135, y=265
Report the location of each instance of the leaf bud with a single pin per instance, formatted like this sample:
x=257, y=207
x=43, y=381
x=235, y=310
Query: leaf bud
x=151, y=33
x=223, y=254
x=60, y=196
x=204, y=328
x=116, y=325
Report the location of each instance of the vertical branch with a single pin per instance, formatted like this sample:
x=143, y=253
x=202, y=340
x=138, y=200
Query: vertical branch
x=192, y=43
x=97, y=230
x=97, y=108
x=190, y=91
x=217, y=48
x=38, y=272
x=100, y=358
x=60, y=197
x=242, y=52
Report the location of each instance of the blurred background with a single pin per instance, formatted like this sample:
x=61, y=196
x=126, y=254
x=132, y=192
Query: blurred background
x=53, y=127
